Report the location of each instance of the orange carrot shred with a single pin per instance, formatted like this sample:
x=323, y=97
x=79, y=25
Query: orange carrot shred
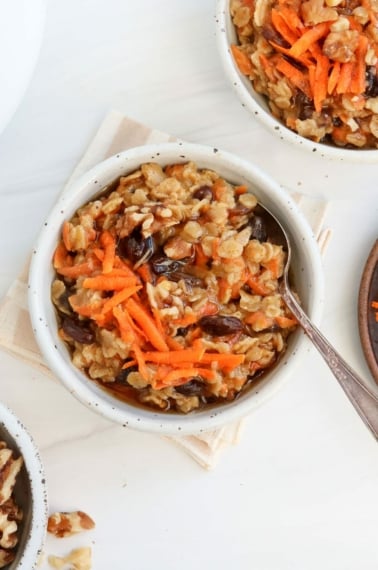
x=333, y=77
x=242, y=60
x=147, y=324
x=119, y=297
x=294, y=75
x=345, y=78
x=308, y=38
x=184, y=355
x=66, y=235
x=282, y=27
x=106, y=283
x=108, y=242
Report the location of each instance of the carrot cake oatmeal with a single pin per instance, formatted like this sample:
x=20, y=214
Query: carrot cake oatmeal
x=316, y=63
x=167, y=289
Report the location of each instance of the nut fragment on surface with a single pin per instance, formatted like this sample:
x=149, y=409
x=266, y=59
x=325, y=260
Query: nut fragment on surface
x=64, y=524
x=10, y=513
x=78, y=559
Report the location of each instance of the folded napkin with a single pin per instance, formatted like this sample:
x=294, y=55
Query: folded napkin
x=118, y=133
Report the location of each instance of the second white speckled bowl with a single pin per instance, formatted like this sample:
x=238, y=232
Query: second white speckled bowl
x=258, y=106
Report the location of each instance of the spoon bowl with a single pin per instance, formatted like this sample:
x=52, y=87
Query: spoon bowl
x=363, y=398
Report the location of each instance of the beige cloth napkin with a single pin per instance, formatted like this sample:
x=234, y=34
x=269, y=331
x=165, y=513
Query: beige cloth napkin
x=118, y=133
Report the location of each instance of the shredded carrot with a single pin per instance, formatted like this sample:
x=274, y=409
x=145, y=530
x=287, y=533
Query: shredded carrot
x=61, y=258
x=282, y=27
x=375, y=304
x=186, y=355
x=66, y=235
x=294, y=75
x=286, y=322
x=129, y=364
x=309, y=38
x=333, y=77
x=268, y=66
x=242, y=60
x=259, y=320
x=87, y=310
x=358, y=81
x=345, y=78
x=186, y=320
x=85, y=268
x=257, y=287
x=200, y=257
x=108, y=242
x=223, y=359
x=239, y=190
x=292, y=19
x=275, y=267
x=127, y=333
x=147, y=324
x=105, y=283
x=144, y=272
x=320, y=81
x=142, y=367
x=119, y=297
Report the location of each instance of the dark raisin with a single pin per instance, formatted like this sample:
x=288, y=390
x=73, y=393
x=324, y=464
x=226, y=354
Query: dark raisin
x=78, y=330
x=218, y=325
x=182, y=331
x=122, y=376
x=162, y=265
x=203, y=192
x=259, y=230
x=372, y=82
x=304, y=106
x=135, y=248
x=193, y=387
x=270, y=34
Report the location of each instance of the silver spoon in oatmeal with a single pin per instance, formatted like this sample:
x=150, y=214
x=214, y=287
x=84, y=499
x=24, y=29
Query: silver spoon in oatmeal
x=359, y=393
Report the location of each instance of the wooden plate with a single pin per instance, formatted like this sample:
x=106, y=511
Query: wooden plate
x=368, y=326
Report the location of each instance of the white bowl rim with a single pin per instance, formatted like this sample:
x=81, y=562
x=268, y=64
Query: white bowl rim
x=111, y=168
x=333, y=153
x=26, y=447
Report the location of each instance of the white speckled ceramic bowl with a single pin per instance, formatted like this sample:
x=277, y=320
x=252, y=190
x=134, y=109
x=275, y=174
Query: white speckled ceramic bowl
x=306, y=267
x=257, y=104
x=30, y=491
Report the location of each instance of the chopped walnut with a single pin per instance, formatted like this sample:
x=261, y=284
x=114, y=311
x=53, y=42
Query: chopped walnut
x=78, y=559
x=314, y=12
x=63, y=524
x=340, y=46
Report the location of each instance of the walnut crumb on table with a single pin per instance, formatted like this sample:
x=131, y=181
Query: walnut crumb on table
x=78, y=559
x=66, y=524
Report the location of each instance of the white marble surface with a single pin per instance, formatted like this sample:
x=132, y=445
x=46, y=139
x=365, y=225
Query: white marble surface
x=300, y=490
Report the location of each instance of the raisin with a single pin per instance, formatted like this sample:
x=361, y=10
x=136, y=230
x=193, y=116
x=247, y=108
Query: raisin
x=203, y=192
x=218, y=325
x=78, y=330
x=193, y=387
x=134, y=247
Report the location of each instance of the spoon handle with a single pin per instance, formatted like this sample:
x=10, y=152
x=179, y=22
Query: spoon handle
x=362, y=396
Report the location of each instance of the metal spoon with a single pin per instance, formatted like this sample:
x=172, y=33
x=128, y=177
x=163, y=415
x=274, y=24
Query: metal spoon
x=359, y=393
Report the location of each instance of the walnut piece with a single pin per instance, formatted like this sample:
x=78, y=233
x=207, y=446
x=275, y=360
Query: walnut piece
x=63, y=524
x=78, y=559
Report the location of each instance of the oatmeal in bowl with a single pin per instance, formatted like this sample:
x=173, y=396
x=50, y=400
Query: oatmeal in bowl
x=162, y=309
x=307, y=69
